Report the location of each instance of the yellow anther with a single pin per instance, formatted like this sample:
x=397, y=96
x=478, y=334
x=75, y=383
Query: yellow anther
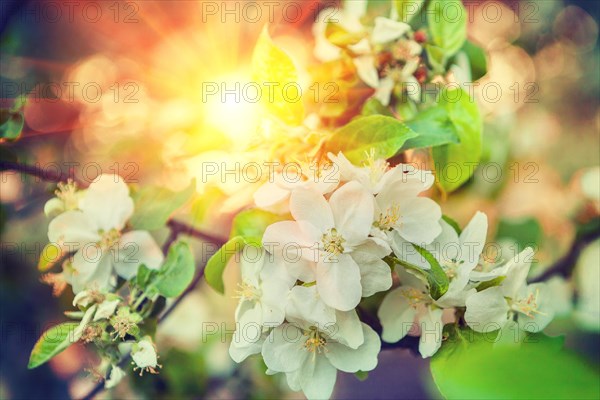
x=333, y=242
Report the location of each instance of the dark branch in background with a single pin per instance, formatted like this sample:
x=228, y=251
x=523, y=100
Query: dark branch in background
x=565, y=265
x=180, y=228
x=46, y=175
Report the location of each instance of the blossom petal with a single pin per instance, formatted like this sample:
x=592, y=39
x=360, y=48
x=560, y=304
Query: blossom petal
x=375, y=276
x=487, y=310
x=292, y=233
x=472, y=240
x=107, y=202
x=366, y=70
x=364, y=358
x=387, y=30
x=305, y=304
x=308, y=205
x=318, y=378
x=269, y=195
x=396, y=315
x=352, y=208
x=347, y=329
x=73, y=228
x=419, y=221
x=136, y=248
x=283, y=350
x=431, y=331
x=338, y=282
x=383, y=92
x=516, y=276
x=544, y=313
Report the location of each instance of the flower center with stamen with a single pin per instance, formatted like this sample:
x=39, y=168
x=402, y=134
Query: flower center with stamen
x=529, y=305
x=450, y=267
x=315, y=342
x=333, y=242
x=67, y=192
x=377, y=167
x=109, y=239
x=389, y=219
x=414, y=296
x=248, y=292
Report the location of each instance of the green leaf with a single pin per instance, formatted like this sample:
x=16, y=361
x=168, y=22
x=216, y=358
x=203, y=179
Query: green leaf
x=213, y=273
x=437, y=57
x=468, y=366
x=362, y=375
x=144, y=277
x=491, y=283
x=12, y=122
x=455, y=163
x=385, y=135
x=177, y=271
x=477, y=59
x=154, y=205
x=271, y=64
x=251, y=224
x=436, y=277
x=526, y=232
x=447, y=20
x=452, y=223
x=407, y=9
x=52, y=342
x=51, y=253
x=434, y=128
x=374, y=107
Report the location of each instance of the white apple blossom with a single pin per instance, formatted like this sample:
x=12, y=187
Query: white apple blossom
x=491, y=309
x=410, y=305
x=67, y=198
x=262, y=293
x=327, y=232
x=387, y=30
x=305, y=306
x=399, y=207
x=274, y=195
x=144, y=356
x=95, y=230
x=374, y=175
x=347, y=17
x=106, y=302
x=457, y=254
x=310, y=357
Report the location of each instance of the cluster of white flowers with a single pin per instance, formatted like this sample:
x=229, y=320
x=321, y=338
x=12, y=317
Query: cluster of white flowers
x=89, y=228
x=386, y=56
x=88, y=225
x=300, y=292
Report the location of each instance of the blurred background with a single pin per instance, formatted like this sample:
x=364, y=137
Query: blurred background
x=117, y=87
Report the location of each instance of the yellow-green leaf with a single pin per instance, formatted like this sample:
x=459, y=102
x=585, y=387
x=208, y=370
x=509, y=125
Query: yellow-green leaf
x=456, y=162
x=274, y=71
x=51, y=253
x=215, y=266
x=52, y=342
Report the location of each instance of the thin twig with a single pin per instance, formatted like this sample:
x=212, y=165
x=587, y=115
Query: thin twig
x=565, y=265
x=185, y=229
x=41, y=173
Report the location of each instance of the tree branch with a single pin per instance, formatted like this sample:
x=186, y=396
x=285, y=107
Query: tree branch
x=41, y=173
x=565, y=265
